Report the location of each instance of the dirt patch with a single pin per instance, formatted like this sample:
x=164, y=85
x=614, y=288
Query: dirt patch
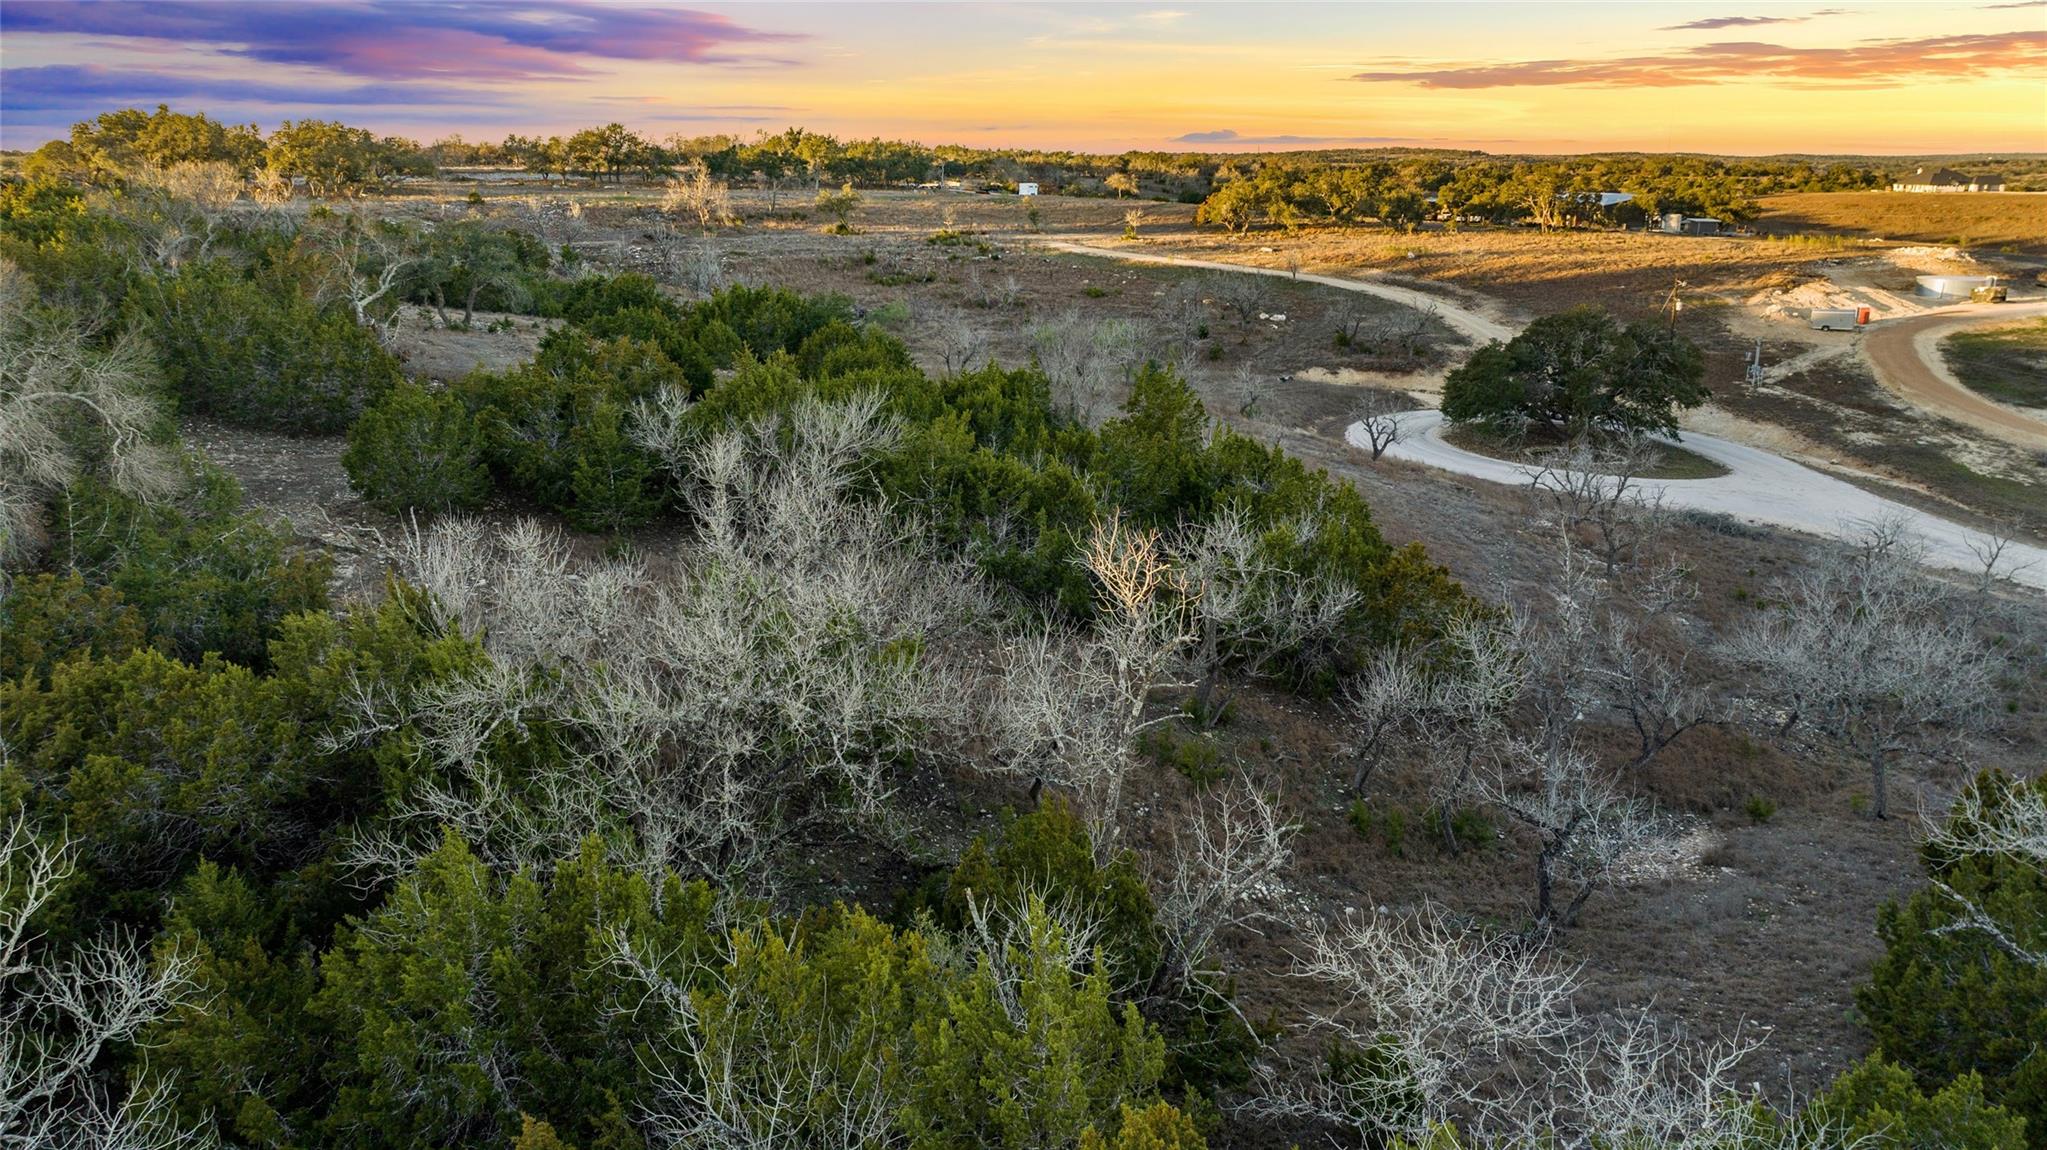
x=430, y=350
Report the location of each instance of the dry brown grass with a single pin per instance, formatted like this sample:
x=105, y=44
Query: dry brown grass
x=2015, y=220
x=1629, y=273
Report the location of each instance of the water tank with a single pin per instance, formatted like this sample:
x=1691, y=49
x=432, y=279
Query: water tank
x=1952, y=287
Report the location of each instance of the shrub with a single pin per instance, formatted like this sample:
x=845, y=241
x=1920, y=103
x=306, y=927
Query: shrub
x=1946, y=1002
x=256, y=353
x=1155, y=1127
x=1048, y=852
x=1876, y=1103
x=417, y=449
x=47, y=618
x=203, y=576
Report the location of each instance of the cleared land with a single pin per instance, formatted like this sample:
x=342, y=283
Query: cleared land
x=2007, y=364
x=2015, y=220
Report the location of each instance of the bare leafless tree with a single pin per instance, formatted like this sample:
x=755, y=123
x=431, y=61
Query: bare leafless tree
x=364, y=262
x=795, y=650
x=1453, y=711
x=1863, y=651
x=61, y=1008
x=1245, y=294
x=1251, y=608
x=1379, y=415
x=1596, y=493
x=1068, y=707
x=1432, y=1017
x=696, y=195
x=1438, y=1024
x=1088, y=361
x=1583, y=824
x=961, y=342
x=68, y=408
x=1226, y=867
x=1657, y=694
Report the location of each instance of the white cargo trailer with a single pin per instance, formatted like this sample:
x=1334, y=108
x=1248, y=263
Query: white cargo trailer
x=1833, y=319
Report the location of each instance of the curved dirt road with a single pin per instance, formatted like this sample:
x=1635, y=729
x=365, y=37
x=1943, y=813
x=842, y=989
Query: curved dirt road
x=1761, y=487
x=1475, y=326
x=1906, y=356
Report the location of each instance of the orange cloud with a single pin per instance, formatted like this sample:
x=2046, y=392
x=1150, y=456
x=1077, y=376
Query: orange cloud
x=1874, y=64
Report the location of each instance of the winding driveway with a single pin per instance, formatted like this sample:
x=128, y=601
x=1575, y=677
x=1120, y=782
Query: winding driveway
x=1761, y=487
x=1906, y=356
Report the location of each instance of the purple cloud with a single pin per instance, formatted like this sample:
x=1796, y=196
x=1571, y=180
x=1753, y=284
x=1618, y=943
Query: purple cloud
x=1733, y=22
x=1872, y=63
x=393, y=40
x=68, y=87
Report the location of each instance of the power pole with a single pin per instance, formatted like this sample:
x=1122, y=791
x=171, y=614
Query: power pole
x=1674, y=303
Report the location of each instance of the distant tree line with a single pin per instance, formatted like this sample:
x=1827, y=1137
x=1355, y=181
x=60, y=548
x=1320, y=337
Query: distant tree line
x=1397, y=187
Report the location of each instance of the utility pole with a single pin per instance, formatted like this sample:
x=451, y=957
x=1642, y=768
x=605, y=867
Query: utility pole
x=1674, y=303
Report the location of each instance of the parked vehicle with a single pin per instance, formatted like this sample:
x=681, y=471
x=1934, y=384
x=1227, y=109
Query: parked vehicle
x=1835, y=319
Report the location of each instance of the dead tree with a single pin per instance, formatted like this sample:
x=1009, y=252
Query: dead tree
x=1438, y=1024
x=776, y=669
x=67, y=407
x=696, y=195
x=1222, y=869
x=1864, y=652
x=1250, y=608
x=1430, y=1018
x=1088, y=361
x=1245, y=293
x=1378, y=414
x=958, y=339
x=1582, y=823
x=1597, y=492
x=59, y=1012
x=1457, y=716
x=1072, y=705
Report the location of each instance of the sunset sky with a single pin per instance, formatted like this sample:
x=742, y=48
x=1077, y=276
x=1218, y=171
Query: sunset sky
x=1728, y=77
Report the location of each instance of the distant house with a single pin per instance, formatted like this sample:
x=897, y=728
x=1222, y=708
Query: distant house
x=1947, y=180
x=1690, y=225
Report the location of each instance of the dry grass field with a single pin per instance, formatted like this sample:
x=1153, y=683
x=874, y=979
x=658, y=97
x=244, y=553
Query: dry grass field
x=2016, y=221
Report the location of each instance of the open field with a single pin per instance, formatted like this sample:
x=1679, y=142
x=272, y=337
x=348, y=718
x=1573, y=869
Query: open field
x=2007, y=364
x=1995, y=220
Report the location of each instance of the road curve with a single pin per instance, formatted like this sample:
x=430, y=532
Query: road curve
x=1905, y=354
x=1475, y=326
x=1761, y=487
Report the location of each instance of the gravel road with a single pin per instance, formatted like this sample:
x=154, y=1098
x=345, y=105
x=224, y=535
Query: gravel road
x=1762, y=487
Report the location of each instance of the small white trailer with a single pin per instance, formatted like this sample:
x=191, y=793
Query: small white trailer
x=1834, y=319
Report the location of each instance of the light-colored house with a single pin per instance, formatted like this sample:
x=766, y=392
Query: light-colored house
x=1947, y=180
